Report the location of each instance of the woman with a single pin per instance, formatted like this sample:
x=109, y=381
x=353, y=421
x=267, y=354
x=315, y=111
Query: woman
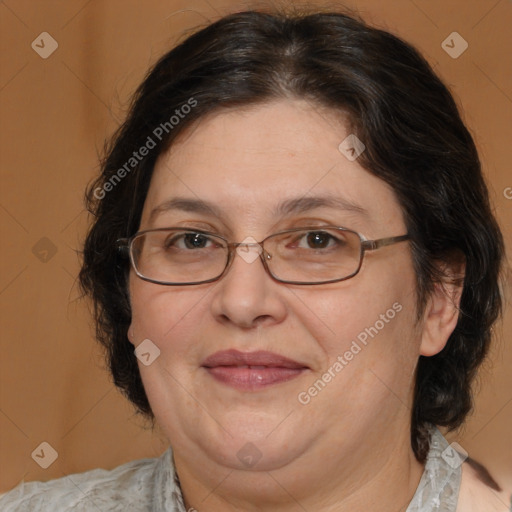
x=295, y=270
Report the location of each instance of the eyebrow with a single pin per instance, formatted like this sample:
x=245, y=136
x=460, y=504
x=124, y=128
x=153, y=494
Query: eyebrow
x=285, y=208
x=306, y=203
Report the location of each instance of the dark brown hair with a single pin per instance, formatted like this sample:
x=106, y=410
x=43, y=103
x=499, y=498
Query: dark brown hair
x=415, y=141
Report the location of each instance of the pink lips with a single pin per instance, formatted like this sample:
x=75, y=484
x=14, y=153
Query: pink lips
x=251, y=370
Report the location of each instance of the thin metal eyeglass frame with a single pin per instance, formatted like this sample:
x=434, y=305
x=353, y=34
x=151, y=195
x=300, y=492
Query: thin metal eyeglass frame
x=124, y=244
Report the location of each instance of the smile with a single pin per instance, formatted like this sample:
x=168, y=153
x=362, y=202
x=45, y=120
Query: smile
x=252, y=371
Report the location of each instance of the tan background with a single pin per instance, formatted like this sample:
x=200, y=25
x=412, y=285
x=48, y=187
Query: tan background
x=56, y=113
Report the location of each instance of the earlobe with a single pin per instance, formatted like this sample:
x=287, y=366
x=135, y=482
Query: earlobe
x=130, y=335
x=441, y=316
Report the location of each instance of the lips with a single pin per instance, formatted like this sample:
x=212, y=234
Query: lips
x=251, y=370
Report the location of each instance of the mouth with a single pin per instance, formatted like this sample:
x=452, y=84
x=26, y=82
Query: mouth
x=251, y=371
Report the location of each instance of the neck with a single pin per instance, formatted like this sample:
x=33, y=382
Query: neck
x=382, y=476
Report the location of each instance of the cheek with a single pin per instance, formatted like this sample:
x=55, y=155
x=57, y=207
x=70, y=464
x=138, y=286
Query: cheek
x=338, y=316
x=170, y=318
x=370, y=354
x=367, y=326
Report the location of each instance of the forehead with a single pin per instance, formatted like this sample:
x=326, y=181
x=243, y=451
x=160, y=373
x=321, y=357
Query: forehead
x=251, y=162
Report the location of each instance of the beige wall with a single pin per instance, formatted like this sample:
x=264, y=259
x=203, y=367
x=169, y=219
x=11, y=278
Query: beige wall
x=56, y=113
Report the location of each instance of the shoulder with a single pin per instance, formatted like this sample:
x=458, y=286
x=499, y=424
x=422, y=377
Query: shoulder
x=126, y=487
x=479, y=491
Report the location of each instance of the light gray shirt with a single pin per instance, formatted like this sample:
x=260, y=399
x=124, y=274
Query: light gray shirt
x=151, y=485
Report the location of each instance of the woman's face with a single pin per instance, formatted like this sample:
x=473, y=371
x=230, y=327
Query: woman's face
x=353, y=345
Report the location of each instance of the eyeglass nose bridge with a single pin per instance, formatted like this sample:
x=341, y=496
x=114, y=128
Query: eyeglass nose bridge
x=247, y=255
x=243, y=249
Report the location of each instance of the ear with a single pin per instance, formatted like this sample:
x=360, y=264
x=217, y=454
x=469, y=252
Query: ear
x=130, y=335
x=442, y=311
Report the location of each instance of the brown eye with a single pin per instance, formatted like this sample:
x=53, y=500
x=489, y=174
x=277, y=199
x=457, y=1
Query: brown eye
x=187, y=241
x=195, y=240
x=318, y=239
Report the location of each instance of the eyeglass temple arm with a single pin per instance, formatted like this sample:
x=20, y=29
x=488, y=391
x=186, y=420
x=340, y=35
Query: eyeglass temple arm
x=371, y=245
x=123, y=244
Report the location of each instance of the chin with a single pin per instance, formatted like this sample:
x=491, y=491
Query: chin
x=245, y=449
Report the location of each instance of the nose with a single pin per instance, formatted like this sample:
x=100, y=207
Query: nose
x=247, y=296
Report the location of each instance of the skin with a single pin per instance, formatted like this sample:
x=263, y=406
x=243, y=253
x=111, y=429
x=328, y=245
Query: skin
x=475, y=495
x=349, y=448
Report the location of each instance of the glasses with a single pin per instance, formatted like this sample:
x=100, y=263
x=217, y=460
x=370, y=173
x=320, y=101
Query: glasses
x=306, y=255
